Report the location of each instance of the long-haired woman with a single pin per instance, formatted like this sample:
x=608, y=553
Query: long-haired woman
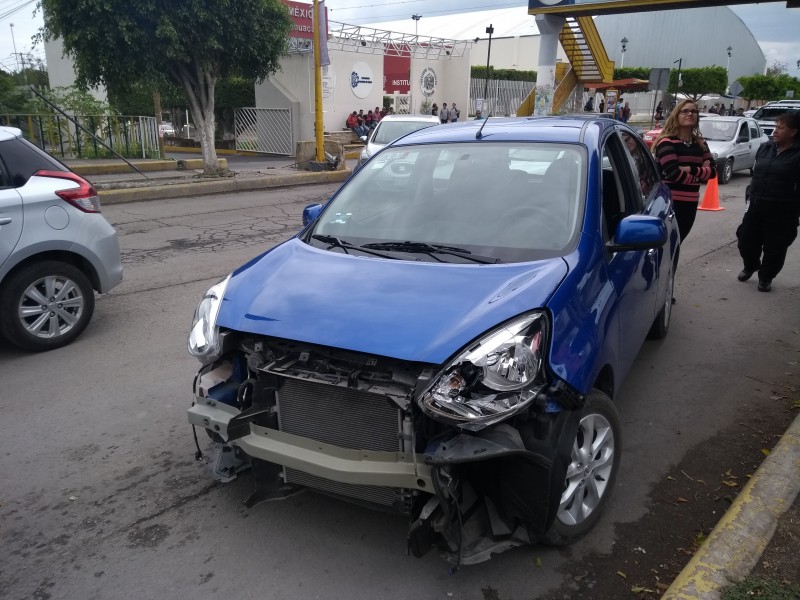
x=685, y=162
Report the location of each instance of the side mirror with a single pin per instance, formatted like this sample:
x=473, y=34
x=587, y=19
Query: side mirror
x=310, y=213
x=638, y=232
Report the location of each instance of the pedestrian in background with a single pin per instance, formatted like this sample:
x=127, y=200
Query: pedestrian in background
x=455, y=113
x=435, y=110
x=603, y=105
x=444, y=114
x=770, y=223
x=478, y=115
x=685, y=162
x=626, y=113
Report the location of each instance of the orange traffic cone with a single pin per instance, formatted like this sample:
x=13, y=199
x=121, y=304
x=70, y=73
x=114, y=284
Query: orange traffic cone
x=711, y=197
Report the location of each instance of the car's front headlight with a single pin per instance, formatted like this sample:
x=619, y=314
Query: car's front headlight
x=493, y=378
x=204, y=335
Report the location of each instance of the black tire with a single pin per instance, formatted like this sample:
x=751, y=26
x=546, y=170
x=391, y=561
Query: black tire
x=726, y=172
x=598, y=419
x=69, y=307
x=660, y=326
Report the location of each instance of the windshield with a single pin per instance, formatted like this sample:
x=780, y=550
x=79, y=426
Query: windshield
x=720, y=131
x=773, y=112
x=389, y=131
x=511, y=202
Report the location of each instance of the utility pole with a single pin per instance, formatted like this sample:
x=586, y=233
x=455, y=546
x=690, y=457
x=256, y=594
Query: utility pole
x=416, y=23
x=678, y=86
x=14, y=42
x=490, y=31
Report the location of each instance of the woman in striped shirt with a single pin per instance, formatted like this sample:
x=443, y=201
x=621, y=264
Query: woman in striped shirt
x=685, y=162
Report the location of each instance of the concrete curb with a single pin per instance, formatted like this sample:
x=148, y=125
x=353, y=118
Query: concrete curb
x=744, y=531
x=220, y=186
x=113, y=168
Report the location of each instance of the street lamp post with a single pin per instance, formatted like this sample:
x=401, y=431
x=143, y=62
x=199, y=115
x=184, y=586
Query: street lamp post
x=14, y=42
x=678, y=86
x=624, y=42
x=729, y=50
x=490, y=31
x=416, y=23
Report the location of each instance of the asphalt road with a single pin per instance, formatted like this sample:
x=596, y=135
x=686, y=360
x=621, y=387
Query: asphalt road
x=101, y=497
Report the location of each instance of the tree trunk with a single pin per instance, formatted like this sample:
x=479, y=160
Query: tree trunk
x=199, y=86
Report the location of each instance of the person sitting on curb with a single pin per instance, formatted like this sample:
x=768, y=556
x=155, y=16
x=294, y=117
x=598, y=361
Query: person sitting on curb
x=354, y=125
x=478, y=116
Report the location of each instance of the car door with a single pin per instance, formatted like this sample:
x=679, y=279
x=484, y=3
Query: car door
x=742, y=148
x=633, y=274
x=10, y=211
x=757, y=137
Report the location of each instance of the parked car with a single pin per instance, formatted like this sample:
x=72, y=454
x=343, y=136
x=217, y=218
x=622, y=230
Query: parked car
x=767, y=114
x=165, y=129
x=56, y=248
x=734, y=142
x=447, y=335
x=390, y=128
x=650, y=136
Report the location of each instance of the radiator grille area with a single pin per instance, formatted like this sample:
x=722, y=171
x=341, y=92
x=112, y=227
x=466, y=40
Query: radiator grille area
x=344, y=417
x=376, y=495
x=341, y=416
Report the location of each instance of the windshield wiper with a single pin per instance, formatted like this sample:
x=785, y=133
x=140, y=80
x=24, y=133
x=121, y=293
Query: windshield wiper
x=432, y=250
x=335, y=242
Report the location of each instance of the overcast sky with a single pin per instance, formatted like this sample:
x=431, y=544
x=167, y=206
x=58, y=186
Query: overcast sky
x=774, y=26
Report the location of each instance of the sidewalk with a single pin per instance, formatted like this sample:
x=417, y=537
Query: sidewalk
x=181, y=175
x=737, y=542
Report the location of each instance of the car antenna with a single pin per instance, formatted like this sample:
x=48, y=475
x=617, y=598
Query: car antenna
x=479, y=135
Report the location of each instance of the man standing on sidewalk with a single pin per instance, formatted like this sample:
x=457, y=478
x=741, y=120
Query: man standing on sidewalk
x=444, y=114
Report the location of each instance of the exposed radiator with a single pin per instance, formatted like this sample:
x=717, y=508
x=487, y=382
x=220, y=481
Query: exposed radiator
x=343, y=417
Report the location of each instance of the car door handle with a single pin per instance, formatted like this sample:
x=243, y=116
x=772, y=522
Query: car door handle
x=5, y=220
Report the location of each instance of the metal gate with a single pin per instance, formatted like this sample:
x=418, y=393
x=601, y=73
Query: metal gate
x=266, y=130
x=402, y=104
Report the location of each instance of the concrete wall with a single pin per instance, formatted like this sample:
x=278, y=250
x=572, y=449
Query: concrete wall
x=61, y=69
x=293, y=86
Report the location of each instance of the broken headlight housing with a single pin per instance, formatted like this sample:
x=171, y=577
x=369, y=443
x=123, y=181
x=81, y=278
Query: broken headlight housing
x=495, y=377
x=204, y=335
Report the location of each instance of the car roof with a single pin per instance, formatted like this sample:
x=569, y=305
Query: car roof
x=412, y=118
x=9, y=133
x=567, y=128
x=732, y=118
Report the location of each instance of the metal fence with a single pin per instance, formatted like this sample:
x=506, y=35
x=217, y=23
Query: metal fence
x=130, y=136
x=265, y=130
x=503, y=97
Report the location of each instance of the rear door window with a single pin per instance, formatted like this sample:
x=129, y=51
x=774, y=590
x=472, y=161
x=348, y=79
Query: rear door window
x=22, y=159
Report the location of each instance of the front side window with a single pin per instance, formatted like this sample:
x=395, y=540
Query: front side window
x=642, y=164
x=510, y=201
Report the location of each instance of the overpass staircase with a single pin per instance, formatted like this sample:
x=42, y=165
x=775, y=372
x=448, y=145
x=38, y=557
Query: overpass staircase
x=588, y=63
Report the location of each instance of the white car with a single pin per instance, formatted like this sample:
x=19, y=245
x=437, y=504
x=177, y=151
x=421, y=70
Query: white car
x=392, y=127
x=734, y=142
x=165, y=129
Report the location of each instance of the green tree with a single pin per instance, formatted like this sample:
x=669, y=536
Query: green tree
x=632, y=73
x=767, y=87
x=699, y=82
x=192, y=43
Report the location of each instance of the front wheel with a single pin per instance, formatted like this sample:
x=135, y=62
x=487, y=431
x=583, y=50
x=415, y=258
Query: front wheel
x=45, y=305
x=727, y=171
x=591, y=473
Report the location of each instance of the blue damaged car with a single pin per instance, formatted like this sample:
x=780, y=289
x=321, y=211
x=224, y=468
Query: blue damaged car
x=446, y=336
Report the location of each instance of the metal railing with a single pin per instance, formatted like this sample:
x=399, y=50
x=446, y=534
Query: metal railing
x=130, y=136
x=265, y=130
x=504, y=96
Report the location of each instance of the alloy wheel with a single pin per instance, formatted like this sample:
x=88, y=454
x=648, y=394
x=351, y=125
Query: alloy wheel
x=589, y=471
x=50, y=306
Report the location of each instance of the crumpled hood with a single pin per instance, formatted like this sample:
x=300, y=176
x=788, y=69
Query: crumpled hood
x=417, y=311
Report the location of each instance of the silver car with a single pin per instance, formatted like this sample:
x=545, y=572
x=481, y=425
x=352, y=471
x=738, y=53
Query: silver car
x=733, y=141
x=56, y=248
x=392, y=127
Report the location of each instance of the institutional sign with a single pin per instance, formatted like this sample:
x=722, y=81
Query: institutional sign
x=579, y=8
x=427, y=82
x=397, y=71
x=302, y=19
x=361, y=80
